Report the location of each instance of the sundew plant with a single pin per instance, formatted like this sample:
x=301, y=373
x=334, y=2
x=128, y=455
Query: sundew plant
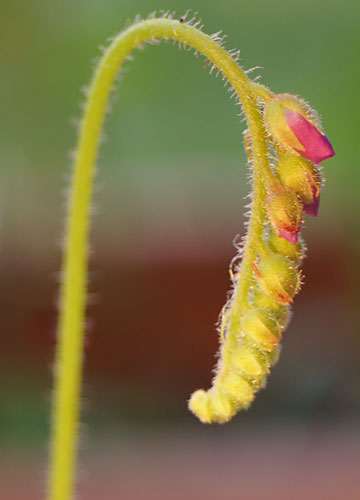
x=284, y=143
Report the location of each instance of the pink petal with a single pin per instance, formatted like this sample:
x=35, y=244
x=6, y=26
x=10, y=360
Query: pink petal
x=313, y=207
x=316, y=145
x=288, y=235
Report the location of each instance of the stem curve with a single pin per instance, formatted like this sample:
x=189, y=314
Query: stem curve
x=69, y=351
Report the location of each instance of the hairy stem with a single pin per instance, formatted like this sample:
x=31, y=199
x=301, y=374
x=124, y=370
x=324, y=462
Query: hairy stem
x=69, y=352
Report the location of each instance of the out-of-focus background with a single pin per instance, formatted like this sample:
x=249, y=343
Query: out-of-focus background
x=170, y=197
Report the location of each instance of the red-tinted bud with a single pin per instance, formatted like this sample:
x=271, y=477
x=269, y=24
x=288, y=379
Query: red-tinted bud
x=303, y=177
x=261, y=328
x=293, y=125
x=284, y=212
x=283, y=247
x=278, y=278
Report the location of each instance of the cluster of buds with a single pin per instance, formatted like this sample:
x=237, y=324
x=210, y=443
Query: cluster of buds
x=301, y=145
x=254, y=326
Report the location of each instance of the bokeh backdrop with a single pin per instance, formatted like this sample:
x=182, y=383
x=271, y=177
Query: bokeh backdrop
x=170, y=197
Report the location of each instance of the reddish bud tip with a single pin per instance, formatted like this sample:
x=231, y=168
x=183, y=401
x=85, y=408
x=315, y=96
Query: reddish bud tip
x=278, y=278
x=316, y=146
x=284, y=213
x=312, y=208
x=292, y=237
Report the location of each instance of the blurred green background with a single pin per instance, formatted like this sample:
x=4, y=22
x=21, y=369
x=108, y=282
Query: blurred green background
x=170, y=197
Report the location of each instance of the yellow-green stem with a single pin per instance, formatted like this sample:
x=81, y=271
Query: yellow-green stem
x=69, y=352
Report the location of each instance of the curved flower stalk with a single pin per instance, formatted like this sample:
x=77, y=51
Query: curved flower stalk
x=268, y=277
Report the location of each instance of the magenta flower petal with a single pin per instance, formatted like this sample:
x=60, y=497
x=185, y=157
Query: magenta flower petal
x=316, y=146
x=313, y=207
x=288, y=235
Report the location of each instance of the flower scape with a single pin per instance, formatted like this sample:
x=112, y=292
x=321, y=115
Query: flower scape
x=284, y=142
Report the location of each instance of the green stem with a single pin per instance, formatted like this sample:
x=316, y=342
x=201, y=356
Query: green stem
x=69, y=352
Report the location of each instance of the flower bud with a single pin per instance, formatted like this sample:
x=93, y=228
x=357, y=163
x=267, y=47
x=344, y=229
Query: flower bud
x=260, y=328
x=239, y=389
x=247, y=362
x=281, y=246
x=260, y=300
x=199, y=405
x=302, y=176
x=278, y=278
x=292, y=124
x=284, y=212
x=221, y=404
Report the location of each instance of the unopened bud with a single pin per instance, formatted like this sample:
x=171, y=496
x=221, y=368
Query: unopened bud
x=260, y=328
x=284, y=212
x=221, y=404
x=259, y=300
x=278, y=278
x=247, y=362
x=239, y=389
x=284, y=247
x=279, y=312
x=294, y=127
x=199, y=405
x=303, y=177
